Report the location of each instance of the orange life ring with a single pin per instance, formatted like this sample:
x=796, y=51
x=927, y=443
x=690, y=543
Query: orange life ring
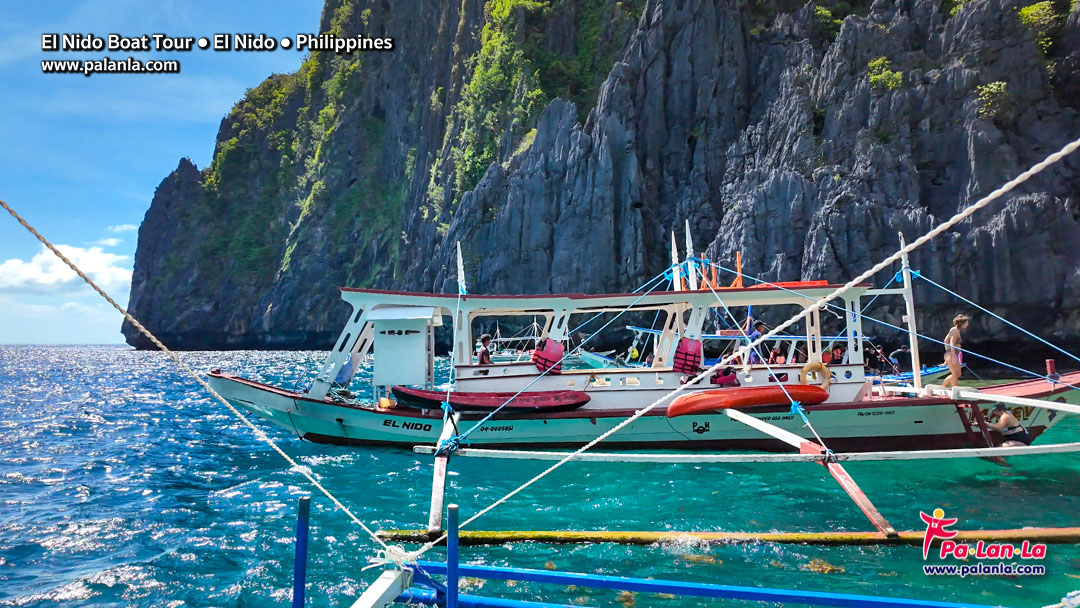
x=823, y=371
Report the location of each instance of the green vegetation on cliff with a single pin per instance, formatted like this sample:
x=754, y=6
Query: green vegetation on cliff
x=521, y=66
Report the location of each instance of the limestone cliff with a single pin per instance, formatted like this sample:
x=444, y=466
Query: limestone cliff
x=560, y=142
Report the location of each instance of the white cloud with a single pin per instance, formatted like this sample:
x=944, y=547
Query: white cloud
x=53, y=319
x=45, y=273
x=123, y=228
x=111, y=242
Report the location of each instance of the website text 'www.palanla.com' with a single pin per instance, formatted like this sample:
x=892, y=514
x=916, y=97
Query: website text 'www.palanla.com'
x=981, y=569
x=106, y=65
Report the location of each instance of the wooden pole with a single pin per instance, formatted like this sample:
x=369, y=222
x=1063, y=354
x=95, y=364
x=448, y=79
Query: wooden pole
x=909, y=316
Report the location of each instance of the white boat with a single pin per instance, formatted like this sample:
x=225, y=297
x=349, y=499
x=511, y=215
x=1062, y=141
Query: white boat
x=400, y=328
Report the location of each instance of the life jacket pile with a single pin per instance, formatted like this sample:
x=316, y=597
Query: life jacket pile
x=549, y=357
x=687, y=357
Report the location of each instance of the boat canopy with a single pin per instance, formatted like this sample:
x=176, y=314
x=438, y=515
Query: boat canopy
x=402, y=323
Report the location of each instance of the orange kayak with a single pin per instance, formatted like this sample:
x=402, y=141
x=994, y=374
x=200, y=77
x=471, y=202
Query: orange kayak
x=745, y=396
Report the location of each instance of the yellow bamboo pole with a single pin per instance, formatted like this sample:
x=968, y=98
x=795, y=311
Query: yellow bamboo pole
x=911, y=537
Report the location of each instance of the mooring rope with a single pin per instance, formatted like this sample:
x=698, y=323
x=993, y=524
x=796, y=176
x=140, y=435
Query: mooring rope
x=1000, y=318
x=302, y=469
x=818, y=305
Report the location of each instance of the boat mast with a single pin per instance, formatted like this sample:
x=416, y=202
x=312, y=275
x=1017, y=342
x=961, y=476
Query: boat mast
x=676, y=269
x=909, y=302
x=690, y=266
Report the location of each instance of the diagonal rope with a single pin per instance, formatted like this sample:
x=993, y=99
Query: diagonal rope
x=1000, y=318
x=262, y=436
x=818, y=305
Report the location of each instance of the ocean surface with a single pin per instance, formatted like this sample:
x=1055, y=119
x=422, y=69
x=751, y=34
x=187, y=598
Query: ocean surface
x=123, y=484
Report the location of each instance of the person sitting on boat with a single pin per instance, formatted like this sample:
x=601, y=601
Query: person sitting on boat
x=838, y=354
x=344, y=376
x=1010, y=428
x=725, y=377
x=776, y=357
x=483, y=356
x=952, y=350
x=826, y=356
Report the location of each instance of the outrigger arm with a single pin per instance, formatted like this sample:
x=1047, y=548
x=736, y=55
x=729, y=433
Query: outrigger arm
x=838, y=472
x=385, y=589
x=438, y=477
x=966, y=395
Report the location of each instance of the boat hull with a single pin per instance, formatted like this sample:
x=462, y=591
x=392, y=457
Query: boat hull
x=874, y=423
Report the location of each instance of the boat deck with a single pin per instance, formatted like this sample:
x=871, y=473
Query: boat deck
x=1034, y=389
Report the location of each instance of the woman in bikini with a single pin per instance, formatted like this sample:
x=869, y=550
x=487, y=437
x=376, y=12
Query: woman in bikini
x=952, y=350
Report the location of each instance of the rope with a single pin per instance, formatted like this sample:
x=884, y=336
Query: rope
x=1000, y=318
x=818, y=305
x=295, y=466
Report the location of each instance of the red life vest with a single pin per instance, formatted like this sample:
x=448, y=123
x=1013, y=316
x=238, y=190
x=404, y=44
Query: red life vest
x=549, y=357
x=687, y=356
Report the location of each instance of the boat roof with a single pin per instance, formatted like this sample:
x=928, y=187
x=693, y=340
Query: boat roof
x=791, y=292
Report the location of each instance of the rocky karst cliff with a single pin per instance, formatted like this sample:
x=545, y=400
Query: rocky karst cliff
x=560, y=142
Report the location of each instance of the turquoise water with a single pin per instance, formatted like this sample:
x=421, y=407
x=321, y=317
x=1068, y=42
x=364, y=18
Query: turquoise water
x=122, y=484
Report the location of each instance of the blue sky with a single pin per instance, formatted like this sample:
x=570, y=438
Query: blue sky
x=82, y=155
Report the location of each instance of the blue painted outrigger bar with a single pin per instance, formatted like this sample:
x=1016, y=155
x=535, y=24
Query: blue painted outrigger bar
x=760, y=594
x=303, y=516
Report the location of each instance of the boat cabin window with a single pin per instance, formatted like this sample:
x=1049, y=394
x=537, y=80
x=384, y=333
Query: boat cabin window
x=513, y=336
x=616, y=339
x=728, y=330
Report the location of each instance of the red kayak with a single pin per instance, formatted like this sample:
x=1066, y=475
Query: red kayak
x=748, y=396
x=547, y=401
